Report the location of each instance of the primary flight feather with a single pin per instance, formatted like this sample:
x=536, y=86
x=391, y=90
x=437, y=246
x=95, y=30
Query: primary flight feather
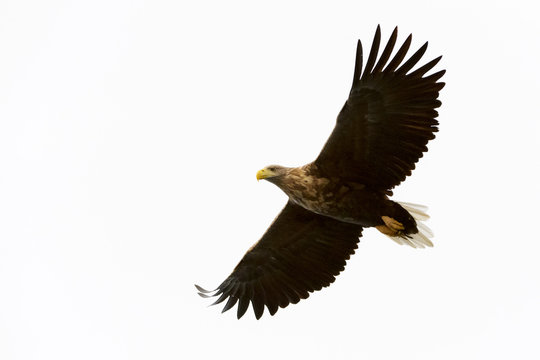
x=380, y=133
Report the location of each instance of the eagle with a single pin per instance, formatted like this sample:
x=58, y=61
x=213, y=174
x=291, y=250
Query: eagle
x=380, y=133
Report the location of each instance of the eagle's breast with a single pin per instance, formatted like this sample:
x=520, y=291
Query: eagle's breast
x=305, y=187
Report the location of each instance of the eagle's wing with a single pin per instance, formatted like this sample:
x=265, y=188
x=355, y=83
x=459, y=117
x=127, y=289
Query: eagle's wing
x=384, y=126
x=300, y=252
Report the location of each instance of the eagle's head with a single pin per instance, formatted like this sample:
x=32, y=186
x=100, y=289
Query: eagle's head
x=272, y=172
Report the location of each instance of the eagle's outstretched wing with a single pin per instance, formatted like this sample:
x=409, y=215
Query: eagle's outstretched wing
x=300, y=252
x=389, y=117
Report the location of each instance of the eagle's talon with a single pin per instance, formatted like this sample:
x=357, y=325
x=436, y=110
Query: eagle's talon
x=393, y=224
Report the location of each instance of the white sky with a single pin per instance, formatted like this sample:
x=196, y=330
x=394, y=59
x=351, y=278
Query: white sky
x=130, y=134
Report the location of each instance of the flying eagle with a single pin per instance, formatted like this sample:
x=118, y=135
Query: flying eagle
x=380, y=133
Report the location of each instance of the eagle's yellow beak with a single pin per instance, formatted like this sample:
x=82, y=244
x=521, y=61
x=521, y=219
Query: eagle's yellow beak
x=263, y=174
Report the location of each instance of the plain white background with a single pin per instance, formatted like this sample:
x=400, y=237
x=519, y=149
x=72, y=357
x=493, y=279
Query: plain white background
x=130, y=134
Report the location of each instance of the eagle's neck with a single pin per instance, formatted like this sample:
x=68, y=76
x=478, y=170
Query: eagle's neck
x=304, y=186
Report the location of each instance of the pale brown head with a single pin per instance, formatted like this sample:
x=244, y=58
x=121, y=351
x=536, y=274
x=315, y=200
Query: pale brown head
x=272, y=173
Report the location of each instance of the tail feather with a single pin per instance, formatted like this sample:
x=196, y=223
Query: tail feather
x=417, y=211
x=422, y=238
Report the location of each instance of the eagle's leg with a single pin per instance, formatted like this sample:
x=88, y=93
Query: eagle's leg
x=392, y=227
x=392, y=223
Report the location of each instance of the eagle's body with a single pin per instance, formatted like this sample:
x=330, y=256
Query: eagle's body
x=380, y=134
x=342, y=200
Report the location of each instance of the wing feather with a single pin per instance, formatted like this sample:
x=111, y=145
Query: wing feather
x=421, y=71
x=386, y=52
x=413, y=60
x=374, y=50
x=400, y=55
x=387, y=121
x=301, y=252
x=358, y=64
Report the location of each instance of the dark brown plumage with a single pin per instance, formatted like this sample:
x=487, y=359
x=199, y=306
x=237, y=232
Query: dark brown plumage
x=380, y=134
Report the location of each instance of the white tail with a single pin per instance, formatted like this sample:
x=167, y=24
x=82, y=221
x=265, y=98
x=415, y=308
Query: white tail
x=421, y=238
